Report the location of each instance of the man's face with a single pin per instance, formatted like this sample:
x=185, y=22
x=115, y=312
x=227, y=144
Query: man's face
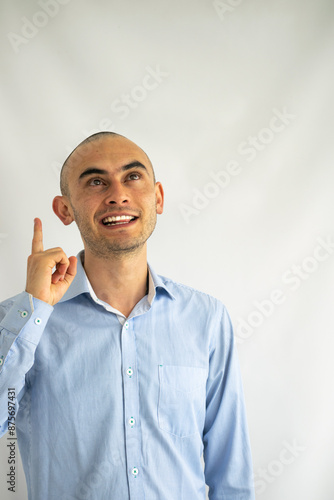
x=112, y=177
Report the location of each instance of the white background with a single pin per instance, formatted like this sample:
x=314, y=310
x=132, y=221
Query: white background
x=225, y=72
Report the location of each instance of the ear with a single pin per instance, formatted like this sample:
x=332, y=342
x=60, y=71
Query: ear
x=159, y=194
x=62, y=209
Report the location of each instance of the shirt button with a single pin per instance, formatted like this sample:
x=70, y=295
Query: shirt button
x=131, y=421
x=126, y=325
x=135, y=472
x=24, y=314
x=38, y=321
x=129, y=372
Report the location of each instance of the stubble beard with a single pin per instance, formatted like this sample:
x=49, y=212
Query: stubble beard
x=108, y=248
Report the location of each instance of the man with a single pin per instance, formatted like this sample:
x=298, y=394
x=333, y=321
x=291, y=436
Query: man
x=123, y=378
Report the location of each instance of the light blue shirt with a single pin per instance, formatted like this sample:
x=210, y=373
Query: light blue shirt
x=115, y=408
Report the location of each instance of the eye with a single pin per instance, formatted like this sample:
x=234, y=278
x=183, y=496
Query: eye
x=134, y=176
x=95, y=182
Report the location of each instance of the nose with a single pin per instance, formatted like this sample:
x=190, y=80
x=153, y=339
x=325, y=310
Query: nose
x=117, y=194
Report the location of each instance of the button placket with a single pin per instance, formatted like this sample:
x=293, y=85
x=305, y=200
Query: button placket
x=131, y=408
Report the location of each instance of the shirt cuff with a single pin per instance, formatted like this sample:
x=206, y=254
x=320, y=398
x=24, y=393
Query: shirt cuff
x=27, y=311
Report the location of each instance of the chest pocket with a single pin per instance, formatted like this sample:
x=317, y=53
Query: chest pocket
x=182, y=399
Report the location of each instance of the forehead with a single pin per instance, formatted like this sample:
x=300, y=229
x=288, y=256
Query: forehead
x=111, y=153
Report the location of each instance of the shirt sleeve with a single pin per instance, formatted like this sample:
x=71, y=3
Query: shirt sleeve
x=21, y=327
x=227, y=455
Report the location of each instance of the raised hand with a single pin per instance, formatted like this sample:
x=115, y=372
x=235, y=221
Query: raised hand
x=42, y=283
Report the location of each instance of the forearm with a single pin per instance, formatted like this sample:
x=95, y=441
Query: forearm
x=21, y=328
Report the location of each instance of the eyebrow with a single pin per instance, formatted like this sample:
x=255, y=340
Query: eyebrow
x=101, y=171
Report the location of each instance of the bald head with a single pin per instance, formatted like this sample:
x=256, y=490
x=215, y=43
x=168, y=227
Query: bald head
x=84, y=149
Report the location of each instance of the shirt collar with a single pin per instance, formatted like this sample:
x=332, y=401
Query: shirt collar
x=80, y=283
x=157, y=283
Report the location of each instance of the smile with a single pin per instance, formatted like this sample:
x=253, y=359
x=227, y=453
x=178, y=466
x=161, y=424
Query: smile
x=118, y=220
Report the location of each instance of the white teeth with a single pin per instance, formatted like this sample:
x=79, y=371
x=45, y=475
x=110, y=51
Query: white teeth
x=117, y=218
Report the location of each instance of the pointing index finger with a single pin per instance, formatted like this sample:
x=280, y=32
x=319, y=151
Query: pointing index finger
x=37, y=241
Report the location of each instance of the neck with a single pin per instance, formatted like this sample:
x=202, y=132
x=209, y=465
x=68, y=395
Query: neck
x=120, y=282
